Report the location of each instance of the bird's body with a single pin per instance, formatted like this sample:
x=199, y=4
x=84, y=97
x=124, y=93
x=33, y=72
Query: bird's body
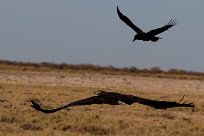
x=145, y=36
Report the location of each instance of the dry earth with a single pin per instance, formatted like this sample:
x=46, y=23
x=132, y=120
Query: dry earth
x=53, y=89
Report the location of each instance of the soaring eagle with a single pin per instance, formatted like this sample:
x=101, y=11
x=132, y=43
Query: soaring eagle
x=113, y=98
x=141, y=35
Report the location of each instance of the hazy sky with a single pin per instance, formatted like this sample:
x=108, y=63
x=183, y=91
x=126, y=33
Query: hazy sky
x=89, y=31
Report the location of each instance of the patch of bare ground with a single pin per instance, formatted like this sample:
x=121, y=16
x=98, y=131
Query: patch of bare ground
x=52, y=89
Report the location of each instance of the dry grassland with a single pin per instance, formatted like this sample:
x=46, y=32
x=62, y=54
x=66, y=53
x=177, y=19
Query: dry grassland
x=53, y=89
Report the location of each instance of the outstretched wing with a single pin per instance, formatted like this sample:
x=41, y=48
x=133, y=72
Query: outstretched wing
x=158, y=104
x=162, y=29
x=86, y=101
x=128, y=22
x=130, y=99
x=37, y=107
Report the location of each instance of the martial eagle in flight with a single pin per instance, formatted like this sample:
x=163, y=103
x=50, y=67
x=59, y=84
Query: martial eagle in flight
x=145, y=36
x=113, y=98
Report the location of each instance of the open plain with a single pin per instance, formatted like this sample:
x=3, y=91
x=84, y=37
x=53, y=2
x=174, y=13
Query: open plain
x=54, y=88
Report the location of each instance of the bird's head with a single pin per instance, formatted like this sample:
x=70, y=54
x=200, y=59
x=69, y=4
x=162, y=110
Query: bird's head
x=135, y=38
x=98, y=92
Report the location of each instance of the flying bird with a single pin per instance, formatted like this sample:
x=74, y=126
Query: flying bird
x=145, y=36
x=113, y=98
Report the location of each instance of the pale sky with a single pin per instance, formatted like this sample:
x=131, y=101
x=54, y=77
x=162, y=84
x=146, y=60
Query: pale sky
x=90, y=31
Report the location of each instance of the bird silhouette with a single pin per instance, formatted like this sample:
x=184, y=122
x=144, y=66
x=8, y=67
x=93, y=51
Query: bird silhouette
x=141, y=35
x=113, y=98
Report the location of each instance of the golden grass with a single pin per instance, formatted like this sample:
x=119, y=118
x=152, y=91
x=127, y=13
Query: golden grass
x=53, y=89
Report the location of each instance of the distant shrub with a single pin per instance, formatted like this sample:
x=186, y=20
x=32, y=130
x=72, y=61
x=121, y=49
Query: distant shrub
x=133, y=69
x=45, y=66
x=156, y=70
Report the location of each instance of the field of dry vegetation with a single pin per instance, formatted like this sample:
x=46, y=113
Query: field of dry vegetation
x=56, y=85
